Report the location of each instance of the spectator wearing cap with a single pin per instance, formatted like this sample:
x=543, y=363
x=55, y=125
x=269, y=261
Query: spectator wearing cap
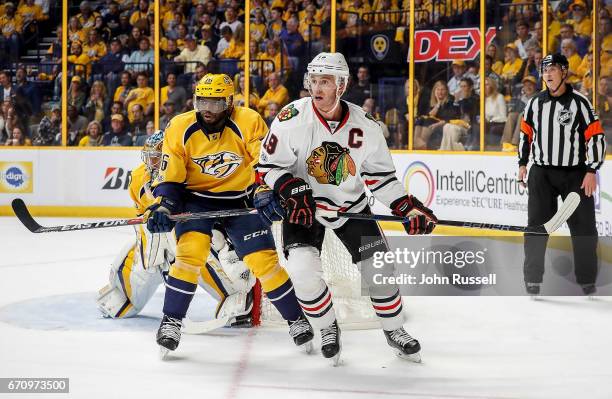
x=76, y=93
x=512, y=62
x=94, y=47
x=142, y=95
x=11, y=26
x=141, y=59
x=208, y=39
x=93, y=135
x=80, y=60
x=276, y=93
x=49, y=127
x=192, y=54
x=168, y=112
x=568, y=49
x=118, y=135
x=116, y=108
x=76, y=127
x=458, y=67
x=583, y=25
x=231, y=20
x=512, y=129
x=177, y=94
x=522, y=33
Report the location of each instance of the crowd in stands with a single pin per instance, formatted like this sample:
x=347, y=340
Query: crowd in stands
x=110, y=81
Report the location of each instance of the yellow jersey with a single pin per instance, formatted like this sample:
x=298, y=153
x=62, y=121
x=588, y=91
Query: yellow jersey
x=140, y=189
x=210, y=165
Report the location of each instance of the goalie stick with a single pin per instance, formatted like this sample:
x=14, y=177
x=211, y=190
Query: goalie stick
x=566, y=210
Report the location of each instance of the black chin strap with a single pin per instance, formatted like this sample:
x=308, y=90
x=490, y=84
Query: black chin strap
x=562, y=80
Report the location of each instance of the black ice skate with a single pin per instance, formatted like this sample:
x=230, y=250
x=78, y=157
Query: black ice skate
x=330, y=343
x=302, y=333
x=408, y=347
x=588, y=289
x=168, y=335
x=533, y=289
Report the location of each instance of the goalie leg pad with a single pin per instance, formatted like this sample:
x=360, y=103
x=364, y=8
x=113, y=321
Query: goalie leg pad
x=113, y=303
x=306, y=271
x=237, y=308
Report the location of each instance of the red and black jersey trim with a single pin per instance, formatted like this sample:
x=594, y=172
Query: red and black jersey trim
x=343, y=119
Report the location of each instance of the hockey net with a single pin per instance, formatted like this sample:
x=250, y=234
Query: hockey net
x=353, y=310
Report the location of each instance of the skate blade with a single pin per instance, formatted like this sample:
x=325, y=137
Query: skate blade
x=413, y=357
x=163, y=353
x=307, y=347
x=336, y=361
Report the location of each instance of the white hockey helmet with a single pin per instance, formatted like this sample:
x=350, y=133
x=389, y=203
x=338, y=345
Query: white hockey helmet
x=329, y=64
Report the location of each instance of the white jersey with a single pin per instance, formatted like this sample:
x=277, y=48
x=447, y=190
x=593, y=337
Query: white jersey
x=337, y=159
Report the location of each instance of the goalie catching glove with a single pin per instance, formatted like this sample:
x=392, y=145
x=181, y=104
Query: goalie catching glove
x=297, y=199
x=267, y=205
x=156, y=215
x=420, y=219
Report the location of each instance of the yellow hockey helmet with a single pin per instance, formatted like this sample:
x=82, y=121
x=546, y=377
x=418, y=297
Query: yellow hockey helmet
x=218, y=86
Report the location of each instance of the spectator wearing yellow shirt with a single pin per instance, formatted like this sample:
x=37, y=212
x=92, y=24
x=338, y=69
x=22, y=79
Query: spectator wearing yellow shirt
x=31, y=12
x=273, y=54
x=11, y=25
x=583, y=25
x=258, y=26
x=124, y=88
x=75, y=33
x=142, y=95
x=554, y=30
x=512, y=62
x=235, y=49
x=356, y=6
x=276, y=23
x=94, y=48
x=276, y=93
x=80, y=60
x=585, y=71
x=239, y=96
x=255, y=67
x=87, y=17
x=172, y=17
x=291, y=9
x=568, y=49
x=305, y=27
x=140, y=13
x=497, y=65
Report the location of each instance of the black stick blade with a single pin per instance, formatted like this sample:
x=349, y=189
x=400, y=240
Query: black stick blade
x=24, y=216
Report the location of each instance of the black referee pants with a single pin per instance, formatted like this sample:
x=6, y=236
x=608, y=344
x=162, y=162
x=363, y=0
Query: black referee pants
x=545, y=185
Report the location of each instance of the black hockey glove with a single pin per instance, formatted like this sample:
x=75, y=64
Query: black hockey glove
x=157, y=218
x=297, y=199
x=419, y=218
x=267, y=205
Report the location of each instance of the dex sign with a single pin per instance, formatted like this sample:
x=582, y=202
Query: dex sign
x=449, y=44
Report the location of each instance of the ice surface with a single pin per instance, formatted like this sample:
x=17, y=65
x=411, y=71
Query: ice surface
x=473, y=347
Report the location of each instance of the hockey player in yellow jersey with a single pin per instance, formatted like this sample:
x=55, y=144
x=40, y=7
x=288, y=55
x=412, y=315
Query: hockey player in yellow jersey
x=139, y=268
x=207, y=164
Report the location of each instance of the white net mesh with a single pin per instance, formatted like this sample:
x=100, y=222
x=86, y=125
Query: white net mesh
x=343, y=279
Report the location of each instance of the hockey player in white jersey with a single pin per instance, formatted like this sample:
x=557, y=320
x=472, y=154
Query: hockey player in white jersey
x=322, y=152
x=142, y=264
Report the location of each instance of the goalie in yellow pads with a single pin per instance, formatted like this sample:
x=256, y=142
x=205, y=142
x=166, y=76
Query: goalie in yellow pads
x=208, y=159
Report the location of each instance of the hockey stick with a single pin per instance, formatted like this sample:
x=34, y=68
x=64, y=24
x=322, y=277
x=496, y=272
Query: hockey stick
x=563, y=213
x=25, y=217
x=202, y=327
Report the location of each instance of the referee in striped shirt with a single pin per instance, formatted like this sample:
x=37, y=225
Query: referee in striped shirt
x=563, y=136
